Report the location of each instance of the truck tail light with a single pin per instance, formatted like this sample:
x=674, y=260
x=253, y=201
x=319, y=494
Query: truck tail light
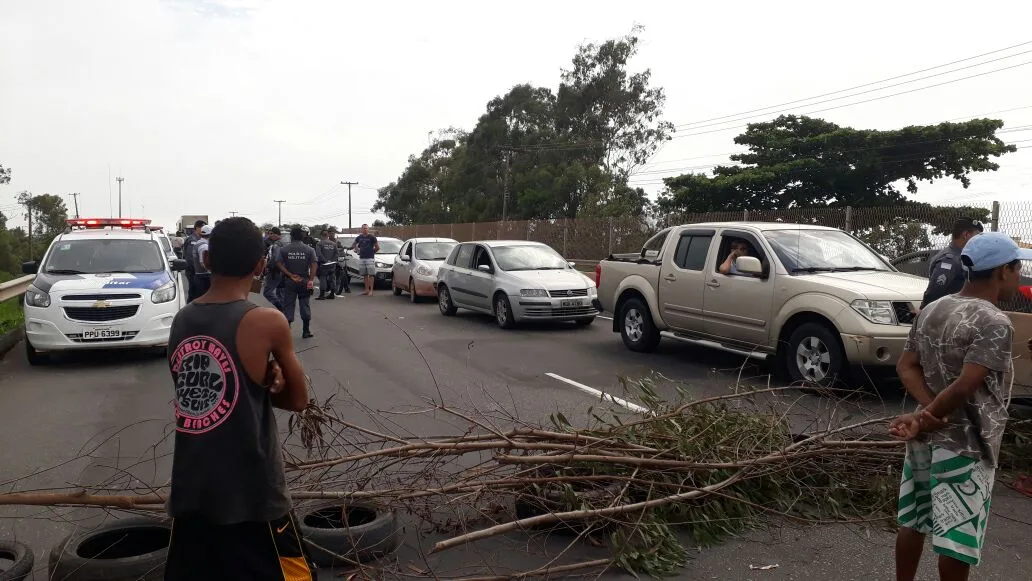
x=1027, y=291
x=598, y=274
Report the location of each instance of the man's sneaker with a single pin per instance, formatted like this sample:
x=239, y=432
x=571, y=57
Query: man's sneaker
x=307, y=335
x=320, y=298
x=330, y=296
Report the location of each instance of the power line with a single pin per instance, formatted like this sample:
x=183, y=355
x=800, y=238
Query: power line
x=866, y=84
x=867, y=100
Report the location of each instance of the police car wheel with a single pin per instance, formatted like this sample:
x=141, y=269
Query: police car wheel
x=35, y=357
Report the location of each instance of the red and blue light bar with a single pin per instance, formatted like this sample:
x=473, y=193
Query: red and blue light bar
x=108, y=222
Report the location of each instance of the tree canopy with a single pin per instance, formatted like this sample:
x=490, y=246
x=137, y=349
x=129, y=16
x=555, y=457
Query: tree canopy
x=560, y=153
x=802, y=162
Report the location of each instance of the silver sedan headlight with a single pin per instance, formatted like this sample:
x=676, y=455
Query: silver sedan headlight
x=879, y=312
x=36, y=298
x=592, y=292
x=164, y=293
x=534, y=292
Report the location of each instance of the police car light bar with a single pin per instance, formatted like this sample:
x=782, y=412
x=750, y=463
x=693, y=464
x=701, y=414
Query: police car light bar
x=103, y=222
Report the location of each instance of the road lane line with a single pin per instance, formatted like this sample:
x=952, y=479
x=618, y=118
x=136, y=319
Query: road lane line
x=601, y=395
x=605, y=317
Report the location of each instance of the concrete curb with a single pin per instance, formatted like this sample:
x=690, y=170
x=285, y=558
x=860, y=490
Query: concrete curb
x=10, y=339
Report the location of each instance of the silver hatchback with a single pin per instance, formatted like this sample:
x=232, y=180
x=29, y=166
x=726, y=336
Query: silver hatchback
x=515, y=281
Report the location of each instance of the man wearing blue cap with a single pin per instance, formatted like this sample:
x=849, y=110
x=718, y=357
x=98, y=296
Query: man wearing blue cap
x=953, y=364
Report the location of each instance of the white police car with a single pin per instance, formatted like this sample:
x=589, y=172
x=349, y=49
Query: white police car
x=103, y=283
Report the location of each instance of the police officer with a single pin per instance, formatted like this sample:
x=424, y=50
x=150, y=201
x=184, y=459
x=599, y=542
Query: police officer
x=202, y=278
x=946, y=274
x=273, y=289
x=298, y=264
x=327, y=251
x=191, y=263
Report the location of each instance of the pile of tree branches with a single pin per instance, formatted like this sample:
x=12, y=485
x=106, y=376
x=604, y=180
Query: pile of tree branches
x=636, y=484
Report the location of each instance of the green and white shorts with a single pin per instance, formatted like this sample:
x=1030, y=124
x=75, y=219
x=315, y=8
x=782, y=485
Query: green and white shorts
x=946, y=495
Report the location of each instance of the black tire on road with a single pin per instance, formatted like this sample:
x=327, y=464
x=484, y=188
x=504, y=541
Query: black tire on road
x=21, y=561
x=355, y=531
x=637, y=330
x=121, y=550
x=503, y=312
x=35, y=357
x=444, y=301
x=585, y=321
x=813, y=356
x=413, y=297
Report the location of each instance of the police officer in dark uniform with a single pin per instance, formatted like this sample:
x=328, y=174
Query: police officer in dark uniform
x=298, y=264
x=328, y=252
x=946, y=274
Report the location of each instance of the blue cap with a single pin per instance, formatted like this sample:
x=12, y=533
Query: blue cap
x=993, y=250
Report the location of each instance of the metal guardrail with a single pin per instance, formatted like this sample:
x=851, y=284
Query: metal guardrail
x=15, y=288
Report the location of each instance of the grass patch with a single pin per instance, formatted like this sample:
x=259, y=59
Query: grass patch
x=11, y=314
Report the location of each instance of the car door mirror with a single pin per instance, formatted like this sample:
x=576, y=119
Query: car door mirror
x=572, y=264
x=178, y=265
x=749, y=265
x=30, y=267
x=486, y=268
x=404, y=257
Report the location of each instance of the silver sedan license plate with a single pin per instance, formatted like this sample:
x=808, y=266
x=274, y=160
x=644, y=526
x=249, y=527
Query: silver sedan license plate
x=571, y=303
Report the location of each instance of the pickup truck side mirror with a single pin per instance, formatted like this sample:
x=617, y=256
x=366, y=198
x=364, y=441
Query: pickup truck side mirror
x=749, y=265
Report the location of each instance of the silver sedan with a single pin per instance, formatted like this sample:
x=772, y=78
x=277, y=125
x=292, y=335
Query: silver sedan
x=515, y=281
x=415, y=268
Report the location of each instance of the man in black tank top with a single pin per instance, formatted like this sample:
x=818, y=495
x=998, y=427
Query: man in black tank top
x=232, y=362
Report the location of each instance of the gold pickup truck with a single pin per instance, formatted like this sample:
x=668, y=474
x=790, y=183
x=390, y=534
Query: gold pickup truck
x=816, y=299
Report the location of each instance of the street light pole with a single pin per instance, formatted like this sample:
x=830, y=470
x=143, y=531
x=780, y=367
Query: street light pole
x=120, y=180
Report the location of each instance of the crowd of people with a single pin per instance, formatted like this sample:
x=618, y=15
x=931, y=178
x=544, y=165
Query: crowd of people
x=293, y=268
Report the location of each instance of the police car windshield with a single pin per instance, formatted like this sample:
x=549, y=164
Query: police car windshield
x=101, y=256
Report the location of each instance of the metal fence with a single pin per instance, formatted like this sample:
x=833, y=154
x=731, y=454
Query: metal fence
x=891, y=230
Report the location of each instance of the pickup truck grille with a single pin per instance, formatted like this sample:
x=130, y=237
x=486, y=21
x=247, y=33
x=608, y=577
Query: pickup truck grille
x=905, y=313
x=577, y=292
x=544, y=312
x=92, y=315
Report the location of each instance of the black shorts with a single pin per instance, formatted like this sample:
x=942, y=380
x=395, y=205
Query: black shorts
x=255, y=551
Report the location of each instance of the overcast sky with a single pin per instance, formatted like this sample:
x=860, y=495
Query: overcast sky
x=213, y=106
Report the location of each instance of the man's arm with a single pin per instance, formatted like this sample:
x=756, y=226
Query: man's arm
x=912, y=375
x=376, y=244
x=725, y=267
x=294, y=396
x=313, y=265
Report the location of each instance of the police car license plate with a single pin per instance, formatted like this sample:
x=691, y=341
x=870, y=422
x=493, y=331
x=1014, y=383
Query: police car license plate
x=101, y=334
x=571, y=303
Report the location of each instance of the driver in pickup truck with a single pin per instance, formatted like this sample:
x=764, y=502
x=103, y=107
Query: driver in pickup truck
x=739, y=247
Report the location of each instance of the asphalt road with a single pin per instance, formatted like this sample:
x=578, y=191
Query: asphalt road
x=105, y=417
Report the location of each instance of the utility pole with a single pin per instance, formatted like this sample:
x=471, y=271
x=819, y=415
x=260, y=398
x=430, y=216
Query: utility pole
x=233, y=214
x=280, y=202
x=119, y=180
x=507, y=153
x=75, y=198
x=349, y=184
x=28, y=213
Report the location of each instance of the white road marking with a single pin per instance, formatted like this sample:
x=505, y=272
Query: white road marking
x=601, y=395
x=605, y=317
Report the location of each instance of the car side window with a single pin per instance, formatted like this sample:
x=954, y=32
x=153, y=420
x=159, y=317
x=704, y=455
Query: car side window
x=654, y=245
x=692, y=250
x=728, y=239
x=481, y=258
x=404, y=249
x=464, y=256
x=409, y=248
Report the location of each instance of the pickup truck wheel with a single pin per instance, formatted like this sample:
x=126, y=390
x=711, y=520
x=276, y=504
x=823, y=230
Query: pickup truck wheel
x=813, y=355
x=637, y=330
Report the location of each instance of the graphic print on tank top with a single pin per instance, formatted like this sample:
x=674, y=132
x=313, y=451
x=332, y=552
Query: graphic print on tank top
x=207, y=384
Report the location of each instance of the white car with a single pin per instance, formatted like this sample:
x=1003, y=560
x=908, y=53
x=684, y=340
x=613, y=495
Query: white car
x=104, y=283
x=415, y=268
x=389, y=248
x=515, y=281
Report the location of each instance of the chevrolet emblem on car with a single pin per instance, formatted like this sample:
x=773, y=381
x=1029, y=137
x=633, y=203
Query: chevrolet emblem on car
x=101, y=305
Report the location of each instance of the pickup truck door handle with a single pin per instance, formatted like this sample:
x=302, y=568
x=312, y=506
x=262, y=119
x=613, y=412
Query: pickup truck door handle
x=713, y=283
x=670, y=278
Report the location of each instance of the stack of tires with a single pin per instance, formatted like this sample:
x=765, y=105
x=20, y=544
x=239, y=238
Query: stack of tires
x=134, y=549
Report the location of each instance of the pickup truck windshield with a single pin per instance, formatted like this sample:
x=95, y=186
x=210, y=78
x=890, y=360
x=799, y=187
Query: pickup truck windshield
x=101, y=256
x=529, y=258
x=803, y=251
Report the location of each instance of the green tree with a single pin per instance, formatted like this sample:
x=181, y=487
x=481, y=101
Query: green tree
x=557, y=154
x=5, y=175
x=802, y=162
x=48, y=215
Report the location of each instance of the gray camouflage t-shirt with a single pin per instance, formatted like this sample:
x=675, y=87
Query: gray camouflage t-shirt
x=948, y=333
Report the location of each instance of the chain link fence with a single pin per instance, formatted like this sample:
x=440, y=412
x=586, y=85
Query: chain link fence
x=893, y=231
